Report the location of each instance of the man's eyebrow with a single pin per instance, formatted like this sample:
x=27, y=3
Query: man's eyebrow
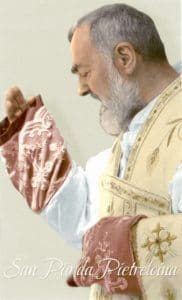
x=75, y=68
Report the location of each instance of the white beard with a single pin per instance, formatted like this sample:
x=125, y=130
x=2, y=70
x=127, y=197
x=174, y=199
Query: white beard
x=108, y=121
x=123, y=103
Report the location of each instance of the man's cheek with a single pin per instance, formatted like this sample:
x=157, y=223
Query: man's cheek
x=94, y=87
x=100, y=90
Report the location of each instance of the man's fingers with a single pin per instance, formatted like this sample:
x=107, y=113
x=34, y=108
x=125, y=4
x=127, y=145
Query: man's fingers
x=16, y=103
x=15, y=96
x=10, y=109
x=14, y=91
x=30, y=100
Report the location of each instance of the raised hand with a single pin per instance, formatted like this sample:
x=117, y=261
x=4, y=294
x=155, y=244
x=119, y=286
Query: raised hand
x=16, y=103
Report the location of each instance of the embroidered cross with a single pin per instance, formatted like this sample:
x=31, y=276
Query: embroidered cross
x=159, y=241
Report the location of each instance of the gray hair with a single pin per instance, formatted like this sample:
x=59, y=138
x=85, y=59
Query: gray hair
x=112, y=24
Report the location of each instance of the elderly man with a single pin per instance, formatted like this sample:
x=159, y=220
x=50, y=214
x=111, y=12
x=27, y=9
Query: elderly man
x=126, y=205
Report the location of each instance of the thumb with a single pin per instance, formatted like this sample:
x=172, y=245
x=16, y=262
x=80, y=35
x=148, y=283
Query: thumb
x=31, y=99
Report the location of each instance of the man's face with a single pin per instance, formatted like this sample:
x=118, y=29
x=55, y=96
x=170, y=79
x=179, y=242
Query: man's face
x=88, y=65
x=99, y=78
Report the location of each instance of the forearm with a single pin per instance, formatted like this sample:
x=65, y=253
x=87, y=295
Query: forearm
x=70, y=210
x=44, y=173
x=120, y=250
x=107, y=248
x=35, y=156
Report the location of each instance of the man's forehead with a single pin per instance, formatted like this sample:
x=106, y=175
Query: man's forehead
x=81, y=34
x=81, y=47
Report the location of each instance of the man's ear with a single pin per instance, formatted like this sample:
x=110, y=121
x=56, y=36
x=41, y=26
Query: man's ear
x=125, y=58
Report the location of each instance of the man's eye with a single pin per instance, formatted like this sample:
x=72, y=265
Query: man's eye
x=84, y=74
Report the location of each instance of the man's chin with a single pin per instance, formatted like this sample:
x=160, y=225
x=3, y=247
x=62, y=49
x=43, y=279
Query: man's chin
x=109, y=122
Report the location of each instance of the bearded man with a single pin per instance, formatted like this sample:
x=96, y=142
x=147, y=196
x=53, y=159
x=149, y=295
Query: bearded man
x=126, y=204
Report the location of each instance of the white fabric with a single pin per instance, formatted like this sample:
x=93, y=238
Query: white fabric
x=74, y=208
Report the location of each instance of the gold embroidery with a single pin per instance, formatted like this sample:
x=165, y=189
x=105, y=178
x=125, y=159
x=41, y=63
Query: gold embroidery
x=127, y=207
x=167, y=290
x=145, y=198
x=177, y=125
x=152, y=160
x=166, y=96
x=158, y=242
x=110, y=208
x=169, y=295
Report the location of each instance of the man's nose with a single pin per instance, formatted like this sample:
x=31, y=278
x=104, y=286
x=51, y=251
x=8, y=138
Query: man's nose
x=83, y=90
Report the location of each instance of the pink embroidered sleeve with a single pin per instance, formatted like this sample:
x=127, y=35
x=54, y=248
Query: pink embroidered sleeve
x=35, y=156
x=108, y=257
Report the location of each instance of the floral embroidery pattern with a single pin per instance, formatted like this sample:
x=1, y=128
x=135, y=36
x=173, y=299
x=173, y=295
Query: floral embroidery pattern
x=167, y=290
x=159, y=242
x=96, y=252
x=153, y=158
x=130, y=193
x=41, y=124
x=34, y=157
x=169, y=295
x=41, y=176
x=177, y=127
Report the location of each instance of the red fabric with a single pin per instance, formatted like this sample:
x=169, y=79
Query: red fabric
x=7, y=129
x=108, y=244
x=35, y=156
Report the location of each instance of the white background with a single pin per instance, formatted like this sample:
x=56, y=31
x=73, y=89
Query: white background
x=35, y=55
